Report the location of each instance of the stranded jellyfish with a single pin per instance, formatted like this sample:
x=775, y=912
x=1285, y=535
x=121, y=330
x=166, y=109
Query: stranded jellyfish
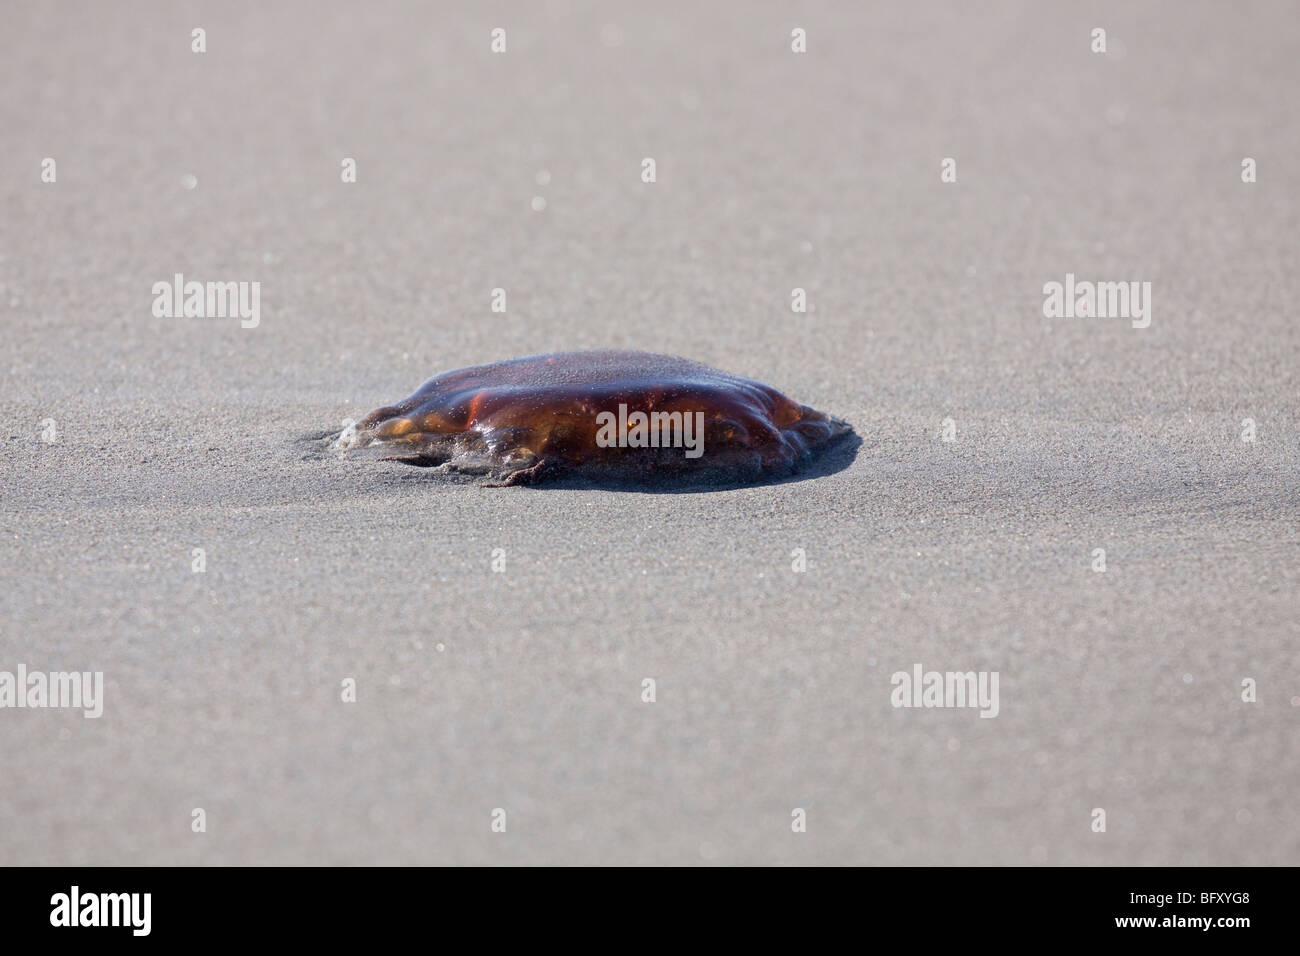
x=609, y=415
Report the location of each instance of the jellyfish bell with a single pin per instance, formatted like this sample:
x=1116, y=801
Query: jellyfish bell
x=610, y=415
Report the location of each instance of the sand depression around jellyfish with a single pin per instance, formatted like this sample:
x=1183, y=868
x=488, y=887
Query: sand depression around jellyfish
x=611, y=416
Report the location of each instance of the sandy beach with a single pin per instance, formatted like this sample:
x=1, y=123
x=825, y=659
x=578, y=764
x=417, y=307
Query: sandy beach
x=1000, y=449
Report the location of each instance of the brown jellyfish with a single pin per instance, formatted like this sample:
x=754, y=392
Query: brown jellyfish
x=609, y=415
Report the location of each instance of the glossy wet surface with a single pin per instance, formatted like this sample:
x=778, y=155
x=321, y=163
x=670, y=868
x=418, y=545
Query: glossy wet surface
x=607, y=415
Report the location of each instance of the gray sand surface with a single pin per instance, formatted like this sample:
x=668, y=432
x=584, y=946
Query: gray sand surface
x=522, y=690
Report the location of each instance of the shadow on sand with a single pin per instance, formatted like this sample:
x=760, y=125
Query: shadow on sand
x=836, y=457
